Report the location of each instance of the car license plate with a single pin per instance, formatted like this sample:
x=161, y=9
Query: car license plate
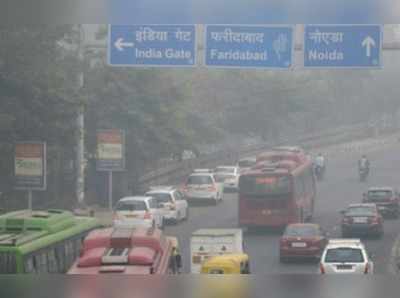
x=344, y=267
x=299, y=244
x=360, y=220
x=131, y=216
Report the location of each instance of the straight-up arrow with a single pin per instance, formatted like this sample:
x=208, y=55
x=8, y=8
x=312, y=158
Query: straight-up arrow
x=367, y=43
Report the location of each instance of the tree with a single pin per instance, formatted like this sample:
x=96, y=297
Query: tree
x=37, y=94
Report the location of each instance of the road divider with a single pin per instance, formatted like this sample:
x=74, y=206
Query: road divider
x=174, y=173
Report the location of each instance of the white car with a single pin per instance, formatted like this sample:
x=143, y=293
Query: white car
x=175, y=207
x=203, y=186
x=208, y=171
x=228, y=175
x=346, y=256
x=131, y=212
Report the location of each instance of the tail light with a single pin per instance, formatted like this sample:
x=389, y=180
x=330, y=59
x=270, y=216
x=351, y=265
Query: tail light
x=284, y=242
x=321, y=268
x=374, y=220
x=147, y=215
x=366, y=270
x=347, y=220
x=81, y=252
x=115, y=216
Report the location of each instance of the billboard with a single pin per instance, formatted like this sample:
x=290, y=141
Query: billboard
x=110, y=150
x=30, y=166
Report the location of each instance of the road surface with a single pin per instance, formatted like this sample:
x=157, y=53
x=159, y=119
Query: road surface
x=340, y=188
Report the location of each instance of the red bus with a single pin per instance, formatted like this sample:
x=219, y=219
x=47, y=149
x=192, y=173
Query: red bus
x=277, y=191
x=128, y=251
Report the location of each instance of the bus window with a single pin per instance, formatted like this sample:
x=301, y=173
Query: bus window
x=29, y=266
x=41, y=262
x=60, y=256
x=52, y=265
x=69, y=252
x=8, y=263
x=264, y=185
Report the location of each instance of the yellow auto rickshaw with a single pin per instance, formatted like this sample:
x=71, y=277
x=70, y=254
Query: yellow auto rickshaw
x=227, y=264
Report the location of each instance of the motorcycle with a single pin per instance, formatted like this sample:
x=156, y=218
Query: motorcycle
x=363, y=173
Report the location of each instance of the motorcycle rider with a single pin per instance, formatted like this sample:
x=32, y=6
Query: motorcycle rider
x=320, y=164
x=364, y=164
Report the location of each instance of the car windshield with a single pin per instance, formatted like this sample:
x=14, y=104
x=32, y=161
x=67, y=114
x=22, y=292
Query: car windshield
x=264, y=185
x=225, y=170
x=301, y=231
x=199, y=180
x=131, y=206
x=161, y=197
x=344, y=255
x=223, y=177
x=379, y=194
x=361, y=211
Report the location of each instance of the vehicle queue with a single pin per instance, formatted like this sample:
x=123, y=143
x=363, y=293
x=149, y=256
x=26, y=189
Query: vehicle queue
x=277, y=189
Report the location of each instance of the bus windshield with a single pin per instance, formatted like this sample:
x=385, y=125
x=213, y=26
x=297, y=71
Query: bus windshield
x=264, y=185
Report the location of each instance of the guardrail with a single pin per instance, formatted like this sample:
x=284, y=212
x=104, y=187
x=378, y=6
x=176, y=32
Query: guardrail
x=175, y=172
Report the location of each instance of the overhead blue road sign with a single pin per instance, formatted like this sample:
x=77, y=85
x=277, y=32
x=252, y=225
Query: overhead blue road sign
x=152, y=45
x=343, y=46
x=249, y=46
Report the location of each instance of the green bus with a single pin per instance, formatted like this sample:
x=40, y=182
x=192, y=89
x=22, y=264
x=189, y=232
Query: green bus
x=41, y=241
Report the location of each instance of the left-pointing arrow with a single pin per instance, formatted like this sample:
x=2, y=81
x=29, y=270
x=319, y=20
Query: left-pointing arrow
x=120, y=44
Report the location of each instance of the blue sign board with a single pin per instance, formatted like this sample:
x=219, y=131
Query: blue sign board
x=343, y=46
x=249, y=46
x=152, y=45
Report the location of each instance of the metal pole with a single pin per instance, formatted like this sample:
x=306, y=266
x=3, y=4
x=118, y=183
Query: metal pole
x=110, y=190
x=30, y=200
x=80, y=122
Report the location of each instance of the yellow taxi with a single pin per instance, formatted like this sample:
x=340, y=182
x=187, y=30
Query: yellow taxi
x=227, y=264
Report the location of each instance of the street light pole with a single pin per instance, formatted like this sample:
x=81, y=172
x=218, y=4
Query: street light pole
x=80, y=122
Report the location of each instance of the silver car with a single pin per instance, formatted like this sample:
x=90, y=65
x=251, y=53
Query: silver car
x=227, y=175
x=203, y=187
x=175, y=207
x=138, y=211
x=345, y=256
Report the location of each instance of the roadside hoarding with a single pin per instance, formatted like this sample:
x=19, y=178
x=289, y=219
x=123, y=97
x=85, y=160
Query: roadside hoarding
x=30, y=166
x=110, y=155
x=110, y=150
